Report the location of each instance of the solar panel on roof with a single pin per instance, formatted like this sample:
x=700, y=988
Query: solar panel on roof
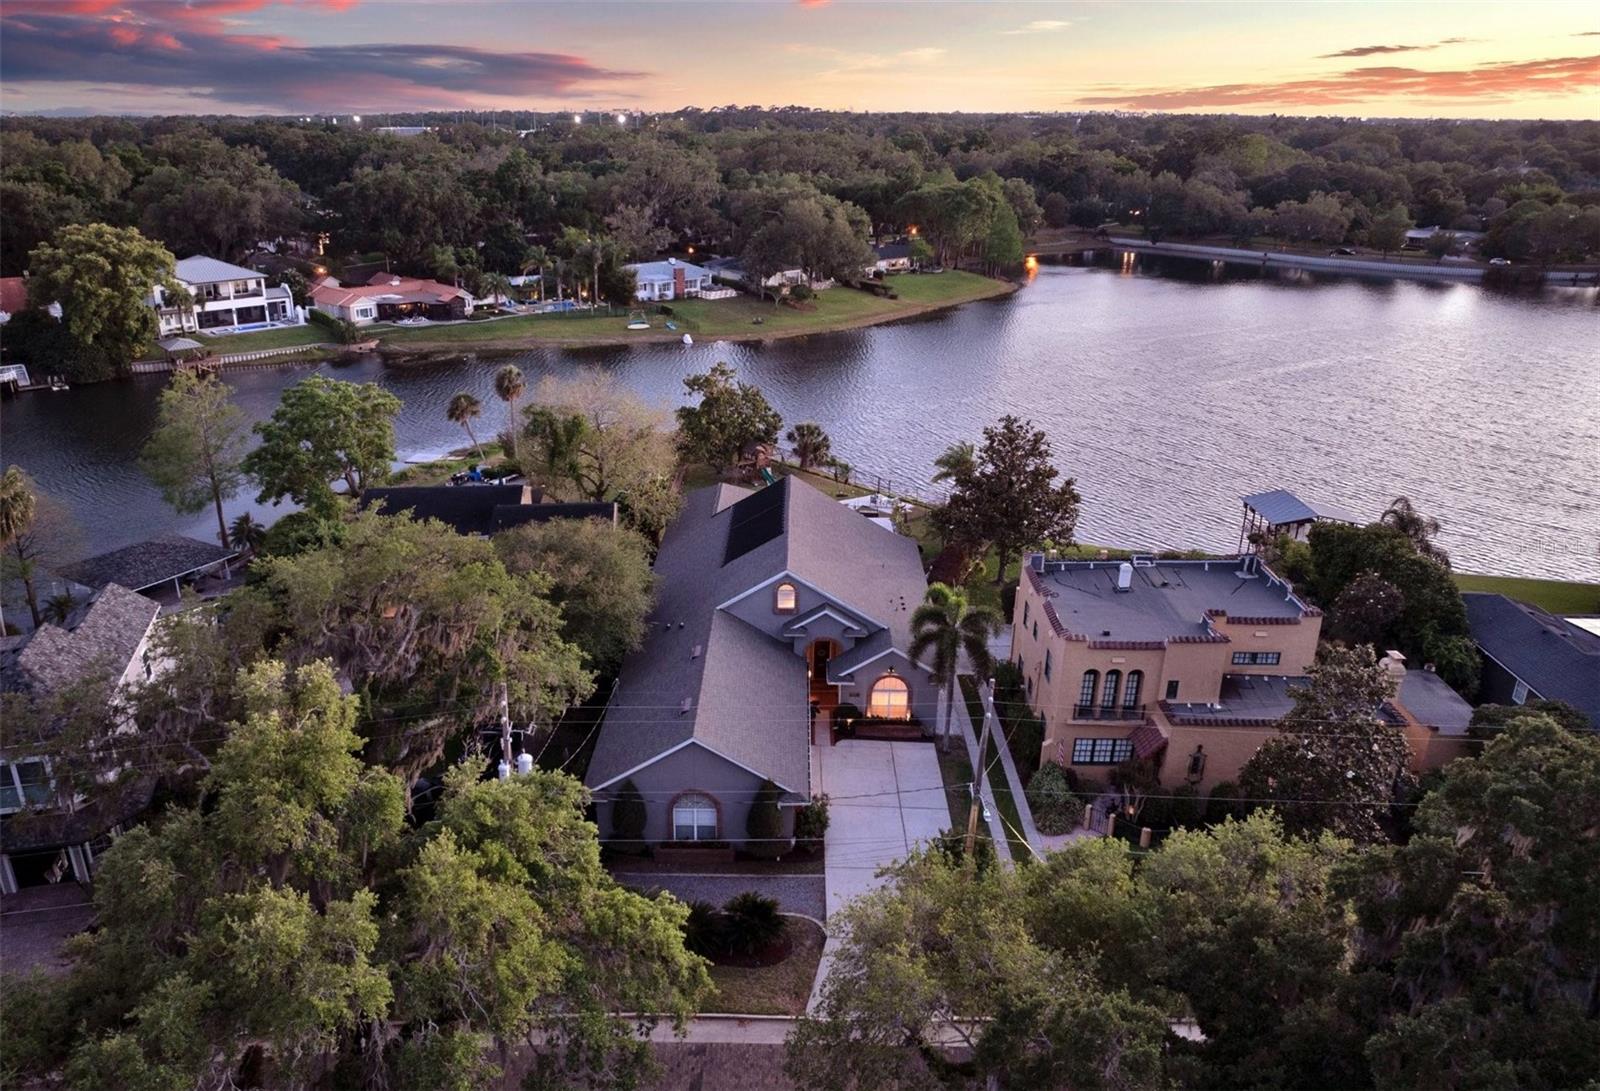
x=755, y=520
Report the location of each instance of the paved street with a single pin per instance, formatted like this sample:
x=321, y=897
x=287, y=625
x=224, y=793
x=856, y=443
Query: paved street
x=795, y=893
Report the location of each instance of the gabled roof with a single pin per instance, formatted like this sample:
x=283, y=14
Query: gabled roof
x=1280, y=507
x=149, y=563
x=889, y=251
x=666, y=270
x=386, y=287
x=103, y=636
x=1558, y=660
x=506, y=516
x=467, y=509
x=200, y=269
x=746, y=690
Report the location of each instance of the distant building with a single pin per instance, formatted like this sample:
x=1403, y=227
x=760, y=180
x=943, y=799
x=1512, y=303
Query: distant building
x=659, y=281
x=733, y=269
x=14, y=299
x=227, y=298
x=480, y=510
x=45, y=836
x=891, y=257
x=1187, y=665
x=389, y=297
x=1530, y=655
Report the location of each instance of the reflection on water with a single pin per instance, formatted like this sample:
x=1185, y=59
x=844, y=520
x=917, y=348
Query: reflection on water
x=1170, y=389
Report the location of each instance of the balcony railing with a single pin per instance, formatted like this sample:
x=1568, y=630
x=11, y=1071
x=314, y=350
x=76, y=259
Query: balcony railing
x=1100, y=712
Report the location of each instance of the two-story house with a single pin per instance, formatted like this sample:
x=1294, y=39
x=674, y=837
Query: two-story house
x=658, y=281
x=46, y=832
x=225, y=298
x=774, y=607
x=1189, y=665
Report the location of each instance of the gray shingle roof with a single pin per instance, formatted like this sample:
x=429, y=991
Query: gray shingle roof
x=147, y=564
x=1432, y=702
x=1281, y=507
x=1166, y=600
x=467, y=509
x=1558, y=660
x=747, y=691
x=200, y=269
x=102, y=637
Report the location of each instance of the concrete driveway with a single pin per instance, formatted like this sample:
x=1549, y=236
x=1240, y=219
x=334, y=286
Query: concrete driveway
x=885, y=798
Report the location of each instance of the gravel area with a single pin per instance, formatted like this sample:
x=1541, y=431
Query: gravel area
x=795, y=893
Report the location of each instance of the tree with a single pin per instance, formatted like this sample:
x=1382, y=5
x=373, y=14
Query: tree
x=939, y=958
x=731, y=416
x=1002, y=248
x=509, y=386
x=324, y=430
x=197, y=446
x=461, y=410
x=1485, y=903
x=1403, y=516
x=1319, y=218
x=811, y=444
x=597, y=573
x=1442, y=244
x=594, y=439
x=1489, y=720
x=246, y=533
x=1365, y=609
x=102, y=277
x=428, y=624
x=764, y=823
x=1335, y=764
x=958, y=459
x=40, y=536
x=946, y=626
x=1009, y=496
x=1387, y=232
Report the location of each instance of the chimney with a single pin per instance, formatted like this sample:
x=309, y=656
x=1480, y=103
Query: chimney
x=1393, y=664
x=677, y=281
x=1124, y=576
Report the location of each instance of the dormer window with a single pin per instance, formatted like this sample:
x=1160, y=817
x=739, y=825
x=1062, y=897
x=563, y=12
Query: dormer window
x=785, y=599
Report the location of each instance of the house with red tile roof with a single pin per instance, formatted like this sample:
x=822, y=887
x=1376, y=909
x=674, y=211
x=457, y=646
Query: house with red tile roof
x=14, y=298
x=389, y=297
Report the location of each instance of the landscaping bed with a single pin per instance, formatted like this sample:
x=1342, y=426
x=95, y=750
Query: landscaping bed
x=780, y=986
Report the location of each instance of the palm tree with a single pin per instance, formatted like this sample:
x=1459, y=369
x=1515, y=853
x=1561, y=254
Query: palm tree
x=947, y=625
x=538, y=258
x=463, y=408
x=509, y=384
x=811, y=445
x=246, y=533
x=1403, y=516
x=58, y=608
x=957, y=460
x=16, y=514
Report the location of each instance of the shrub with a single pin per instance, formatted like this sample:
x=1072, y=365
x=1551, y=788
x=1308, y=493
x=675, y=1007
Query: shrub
x=952, y=845
x=845, y=717
x=1188, y=808
x=36, y=1029
x=627, y=815
x=801, y=292
x=811, y=822
x=300, y=532
x=705, y=931
x=764, y=824
x=1224, y=803
x=1049, y=792
x=1008, y=600
x=751, y=923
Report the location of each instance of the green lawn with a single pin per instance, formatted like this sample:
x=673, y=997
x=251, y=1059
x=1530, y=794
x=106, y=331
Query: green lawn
x=771, y=990
x=1560, y=597
x=740, y=317
x=1000, y=785
x=287, y=337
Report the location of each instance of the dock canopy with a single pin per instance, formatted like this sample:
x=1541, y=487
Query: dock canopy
x=174, y=345
x=1281, y=508
x=149, y=564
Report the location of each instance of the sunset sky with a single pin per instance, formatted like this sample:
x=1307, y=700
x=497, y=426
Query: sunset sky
x=1522, y=60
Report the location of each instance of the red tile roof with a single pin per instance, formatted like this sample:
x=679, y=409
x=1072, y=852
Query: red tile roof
x=13, y=294
x=329, y=292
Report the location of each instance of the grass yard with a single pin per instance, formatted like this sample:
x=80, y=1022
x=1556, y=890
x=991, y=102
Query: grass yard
x=737, y=318
x=956, y=772
x=1560, y=597
x=782, y=989
x=1000, y=785
x=287, y=337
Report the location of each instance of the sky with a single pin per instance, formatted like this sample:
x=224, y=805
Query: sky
x=1386, y=58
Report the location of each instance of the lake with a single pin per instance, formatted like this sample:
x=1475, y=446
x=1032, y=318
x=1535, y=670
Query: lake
x=1170, y=388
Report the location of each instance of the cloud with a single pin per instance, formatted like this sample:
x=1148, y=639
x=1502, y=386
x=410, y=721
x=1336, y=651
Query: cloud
x=1373, y=50
x=1587, y=34
x=1041, y=26
x=1504, y=81
x=195, y=46
x=844, y=62
x=925, y=55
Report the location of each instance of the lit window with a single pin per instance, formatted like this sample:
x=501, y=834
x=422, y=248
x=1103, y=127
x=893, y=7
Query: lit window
x=694, y=818
x=890, y=699
x=1130, y=693
x=1091, y=680
x=784, y=598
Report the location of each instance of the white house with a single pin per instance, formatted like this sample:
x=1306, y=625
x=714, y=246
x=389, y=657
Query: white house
x=227, y=298
x=658, y=281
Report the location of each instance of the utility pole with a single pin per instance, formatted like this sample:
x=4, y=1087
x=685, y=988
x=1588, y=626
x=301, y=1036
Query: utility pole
x=977, y=784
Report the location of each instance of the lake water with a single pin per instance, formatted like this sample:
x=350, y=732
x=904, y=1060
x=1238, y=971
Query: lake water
x=1170, y=388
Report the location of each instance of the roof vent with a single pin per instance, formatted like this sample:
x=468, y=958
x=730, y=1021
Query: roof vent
x=672, y=261
x=1124, y=576
x=680, y=624
x=1105, y=632
x=696, y=653
x=685, y=705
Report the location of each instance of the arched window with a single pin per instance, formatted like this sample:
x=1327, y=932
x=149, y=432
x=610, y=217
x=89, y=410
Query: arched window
x=1091, y=681
x=1108, y=697
x=694, y=818
x=784, y=598
x=890, y=698
x=1130, y=693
